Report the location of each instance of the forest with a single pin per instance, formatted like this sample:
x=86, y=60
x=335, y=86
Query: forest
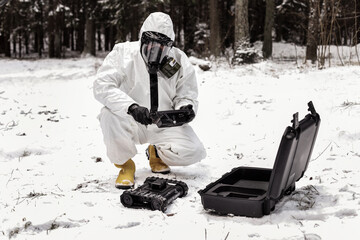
x=203, y=28
x=258, y=63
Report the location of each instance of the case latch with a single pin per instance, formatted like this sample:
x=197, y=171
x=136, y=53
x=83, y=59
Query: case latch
x=311, y=108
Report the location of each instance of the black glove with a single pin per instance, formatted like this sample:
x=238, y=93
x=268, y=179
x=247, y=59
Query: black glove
x=140, y=114
x=189, y=112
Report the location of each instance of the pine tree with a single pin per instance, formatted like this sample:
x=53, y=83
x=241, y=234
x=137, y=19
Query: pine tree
x=291, y=21
x=244, y=52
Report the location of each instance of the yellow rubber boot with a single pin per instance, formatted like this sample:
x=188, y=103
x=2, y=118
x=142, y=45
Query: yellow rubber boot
x=156, y=164
x=126, y=177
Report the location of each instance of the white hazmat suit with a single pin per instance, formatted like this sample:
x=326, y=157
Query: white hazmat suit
x=123, y=80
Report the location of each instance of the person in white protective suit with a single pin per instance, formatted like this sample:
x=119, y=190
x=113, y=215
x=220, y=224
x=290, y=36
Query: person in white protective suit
x=123, y=87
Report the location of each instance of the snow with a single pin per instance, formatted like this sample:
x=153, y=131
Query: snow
x=57, y=183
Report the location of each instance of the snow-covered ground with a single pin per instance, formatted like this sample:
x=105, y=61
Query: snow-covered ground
x=57, y=183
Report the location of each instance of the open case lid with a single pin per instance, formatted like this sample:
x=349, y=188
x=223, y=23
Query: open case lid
x=308, y=128
x=294, y=153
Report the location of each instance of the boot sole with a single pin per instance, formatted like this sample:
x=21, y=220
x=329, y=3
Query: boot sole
x=128, y=186
x=122, y=187
x=163, y=172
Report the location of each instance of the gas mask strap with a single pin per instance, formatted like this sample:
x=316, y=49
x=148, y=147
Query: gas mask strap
x=154, y=97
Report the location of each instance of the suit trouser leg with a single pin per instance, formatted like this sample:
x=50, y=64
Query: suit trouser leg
x=121, y=134
x=178, y=146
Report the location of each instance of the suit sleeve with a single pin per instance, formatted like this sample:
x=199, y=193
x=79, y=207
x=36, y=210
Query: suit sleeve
x=186, y=87
x=107, y=86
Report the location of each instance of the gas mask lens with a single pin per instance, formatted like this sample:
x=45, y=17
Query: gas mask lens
x=154, y=47
x=154, y=52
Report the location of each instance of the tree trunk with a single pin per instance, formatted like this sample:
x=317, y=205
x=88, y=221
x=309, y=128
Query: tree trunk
x=189, y=23
x=80, y=26
x=179, y=25
x=244, y=52
x=99, y=40
x=269, y=22
x=20, y=44
x=72, y=26
x=40, y=30
x=51, y=28
x=14, y=45
x=7, y=30
x=241, y=22
x=107, y=38
x=312, y=31
x=2, y=43
x=26, y=43
x=39, y=39
x=57, y=45
x=7, y=46
x=57, y=39
x=80, y=38
x=36, y=40
x=72, y=37
x=356, y=25
x=134, y=28
x=90, y=41
x=215, y=44
x=66, y=37
x=113, y=33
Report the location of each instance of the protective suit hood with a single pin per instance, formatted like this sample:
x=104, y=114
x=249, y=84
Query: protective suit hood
x=158, y=22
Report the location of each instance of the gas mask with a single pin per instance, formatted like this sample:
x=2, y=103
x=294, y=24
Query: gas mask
x=154, y=49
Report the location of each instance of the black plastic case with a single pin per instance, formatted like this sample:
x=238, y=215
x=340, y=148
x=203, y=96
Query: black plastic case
x=253, y=192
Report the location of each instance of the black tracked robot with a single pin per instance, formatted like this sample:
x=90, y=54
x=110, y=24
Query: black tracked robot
x=155, y=194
